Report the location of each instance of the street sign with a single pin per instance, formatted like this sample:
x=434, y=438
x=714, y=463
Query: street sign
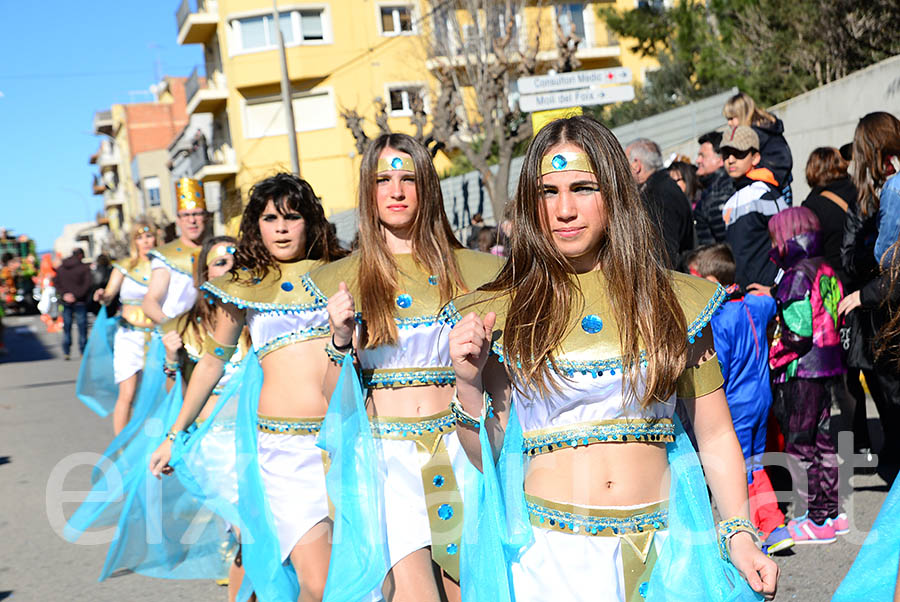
x=575, y=98
x=575, y=79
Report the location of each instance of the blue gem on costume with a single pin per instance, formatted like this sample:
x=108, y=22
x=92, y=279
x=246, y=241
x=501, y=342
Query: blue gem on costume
x=451, y=548
x=178, y=249
x=591, y=324
x=432, y=280
x=219, y=351
x=287, y=286
x=558, y=162
x=445, y=511
x=642, y=590
x=396, y=162
x=404, y=300
x=438, y=481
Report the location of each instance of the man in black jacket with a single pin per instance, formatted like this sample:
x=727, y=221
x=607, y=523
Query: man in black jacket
x=717, y=188
x=667, y=205
x=73, y=284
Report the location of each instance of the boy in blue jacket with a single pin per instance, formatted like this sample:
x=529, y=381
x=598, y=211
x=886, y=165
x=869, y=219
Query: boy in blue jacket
x=739, y=331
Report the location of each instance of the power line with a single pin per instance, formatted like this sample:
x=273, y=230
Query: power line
x=33, y=76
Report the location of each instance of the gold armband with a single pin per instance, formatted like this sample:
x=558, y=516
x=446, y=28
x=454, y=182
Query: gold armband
x=697, y=381
x=222, y=352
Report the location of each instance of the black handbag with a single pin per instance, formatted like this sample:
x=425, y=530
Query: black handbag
x=858, y=337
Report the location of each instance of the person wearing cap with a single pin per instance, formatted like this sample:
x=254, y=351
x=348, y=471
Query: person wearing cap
x=746, y=214
x=717, y=188
x=171, y=290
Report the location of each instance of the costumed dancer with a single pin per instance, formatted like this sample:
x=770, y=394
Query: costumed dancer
x=171, y=290
x=567, y=370
x=282, y=503
x=409, y=265
x=164, y=529
x=129, y=280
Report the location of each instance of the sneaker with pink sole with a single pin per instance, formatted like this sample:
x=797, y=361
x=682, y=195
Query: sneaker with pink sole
x=805, y=531
x=840, y=523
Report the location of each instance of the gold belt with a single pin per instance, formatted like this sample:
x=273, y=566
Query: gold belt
x=634, y=527
x=442, y=497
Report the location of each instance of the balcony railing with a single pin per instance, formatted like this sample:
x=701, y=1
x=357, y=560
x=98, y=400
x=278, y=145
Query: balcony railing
x=98, y=187
x=196, y=26
x=103, y=122
x=212, y=165
x=109, y=155
x=206, y=96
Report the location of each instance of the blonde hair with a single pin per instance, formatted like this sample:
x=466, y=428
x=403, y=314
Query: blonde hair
x=742, y=107
x=139, y=224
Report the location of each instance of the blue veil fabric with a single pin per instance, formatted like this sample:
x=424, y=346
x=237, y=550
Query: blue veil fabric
x=496, y=529
x=162, y=530
x=265, y=574
x=96, y=386
x=873, y=575
x=358, y=553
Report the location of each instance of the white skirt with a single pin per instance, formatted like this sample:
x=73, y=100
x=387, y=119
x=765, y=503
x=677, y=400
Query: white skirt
x=407, y=528
x=293, y=476
x=574, y=567
x=128, y=353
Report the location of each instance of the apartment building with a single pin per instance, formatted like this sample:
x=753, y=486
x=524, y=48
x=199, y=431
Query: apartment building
x=340, y=54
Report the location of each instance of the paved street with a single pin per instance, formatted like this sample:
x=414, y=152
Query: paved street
x=41, y=424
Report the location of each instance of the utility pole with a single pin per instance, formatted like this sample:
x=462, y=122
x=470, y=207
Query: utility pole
x=286, y=95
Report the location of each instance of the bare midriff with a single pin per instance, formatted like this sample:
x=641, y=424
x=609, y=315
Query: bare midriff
x=601, y=474
x=134, y=315
x=292, y=380
x=409, y=402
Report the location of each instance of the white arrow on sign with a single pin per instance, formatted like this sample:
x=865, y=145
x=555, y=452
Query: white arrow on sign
x=575, y=79
x=575, y=98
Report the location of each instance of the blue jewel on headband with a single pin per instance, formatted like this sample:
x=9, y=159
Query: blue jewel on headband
x=404, y=300
x=558, y=162
x=438, y=481
x=451, y=548
x=591, y=324
x=287, y=286
x=396, y=162
x=445, y=511
x=432, y=280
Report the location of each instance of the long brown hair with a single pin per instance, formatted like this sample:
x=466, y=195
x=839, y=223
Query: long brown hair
x=202, y=316
x=543, y=294
x=432, y=239
x=743, y=107
x=288, y=193
x=136, y=227
x=887, y=341
x=877, y=137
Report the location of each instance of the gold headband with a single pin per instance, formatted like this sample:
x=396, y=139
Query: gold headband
x=396, y=164
x=189, y=193
x=142, y=229
x=218, y=251
x=566, y=162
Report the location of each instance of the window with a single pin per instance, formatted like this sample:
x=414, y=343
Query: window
x=307, y=26
x=499, y=17
x=151, y=191
x=571, y=19
x=396, y=20
x=400, y=99
x=264, y=116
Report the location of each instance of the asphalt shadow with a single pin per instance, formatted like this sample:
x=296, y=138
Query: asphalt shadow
x=24, y=344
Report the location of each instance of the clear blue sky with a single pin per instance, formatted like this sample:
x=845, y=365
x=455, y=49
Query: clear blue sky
x=60, y=61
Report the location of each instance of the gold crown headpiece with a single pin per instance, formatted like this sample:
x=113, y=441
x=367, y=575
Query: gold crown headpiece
x=396, y=163
x=190, y=194
x=566, y=162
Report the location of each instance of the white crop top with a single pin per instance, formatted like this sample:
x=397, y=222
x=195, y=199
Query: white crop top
x=278, y=310
x=421, y=355
x=178, y=260
x=588, y=402
x=135, y=283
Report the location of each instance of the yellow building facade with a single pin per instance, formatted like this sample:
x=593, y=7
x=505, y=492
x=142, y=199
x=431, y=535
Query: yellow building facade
x=340, y=54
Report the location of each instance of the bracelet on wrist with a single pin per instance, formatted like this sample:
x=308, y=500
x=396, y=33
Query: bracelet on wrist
x=463, y=417
x=337, y=355
x=730, y=527
x=172, y=435
x=341, y=348
x=171, y=365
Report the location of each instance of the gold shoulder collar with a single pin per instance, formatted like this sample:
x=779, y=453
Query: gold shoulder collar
x=477, y=268
x=274, y=292
x=323, y=281
x=177, y=256
x=140, y=273
x=591, y=345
